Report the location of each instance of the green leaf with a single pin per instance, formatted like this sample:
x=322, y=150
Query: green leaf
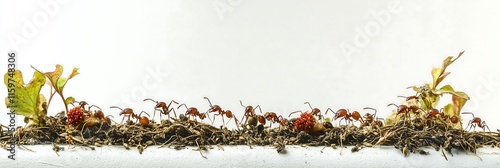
x=58, y=82
x=436, y=73
x=448, y=110
x=462, y=95
x=26, y=100
x=70, y=100
x=458, y=104
x=449, y=90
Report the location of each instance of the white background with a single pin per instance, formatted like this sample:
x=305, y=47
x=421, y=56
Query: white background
x=277, y=54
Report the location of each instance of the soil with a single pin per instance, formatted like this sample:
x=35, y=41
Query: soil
x=406, y=136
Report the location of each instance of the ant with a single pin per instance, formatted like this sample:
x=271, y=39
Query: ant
x=82, y=104
x=476, y=121
x=434, y=112
x=218, y=111
x=250, y=112
x=371, y=119
x=410, y=97
x=163, y=108
x=128, y=112
x=274, y=118
x=346, y=115
x=193, y=111
x=314, y=111
x=99, y=115
x=404, y=109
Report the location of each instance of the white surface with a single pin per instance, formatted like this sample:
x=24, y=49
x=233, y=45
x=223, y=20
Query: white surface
x=277, y=53
x=243, y=156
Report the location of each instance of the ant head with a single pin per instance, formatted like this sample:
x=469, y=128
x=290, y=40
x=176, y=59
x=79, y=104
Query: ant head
x=315, y=111
x=340, y=113
x=99, y=114
x=82, y=103
x=215, y=108
x=160, y=104
x=267, y=114
x=249, y=110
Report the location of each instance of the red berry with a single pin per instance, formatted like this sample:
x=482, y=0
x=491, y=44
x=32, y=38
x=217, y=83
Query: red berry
x=76, y=116
x=305, y=122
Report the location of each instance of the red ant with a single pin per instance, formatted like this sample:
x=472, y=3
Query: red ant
x=371, y=119
x=405, y=110
x=410, y=97
x=99, y=115
x=274, y=118
x=346, y=115
x=82, y=104
x=218, y=111
x=163, y=108
x=192, y=111
x=314, y=111
x=250, y=112
x=434, y=112
x=476, y=121
x=128, y=112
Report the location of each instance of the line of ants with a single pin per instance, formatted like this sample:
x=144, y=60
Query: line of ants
x=406, y=111
x=273, y=118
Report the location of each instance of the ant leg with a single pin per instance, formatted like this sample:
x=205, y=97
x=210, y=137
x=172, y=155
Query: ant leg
x=212, y=120
x=229, y=121
x=222, y=116
x=258, y=106
x=172, y=109
x=484, y=125
x=329, y=109
x=243, y=118
x=469, y=124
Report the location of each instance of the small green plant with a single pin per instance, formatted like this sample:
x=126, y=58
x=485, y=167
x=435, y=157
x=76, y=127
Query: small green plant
x=429, y=94
x=57, y=83
x=27, y=100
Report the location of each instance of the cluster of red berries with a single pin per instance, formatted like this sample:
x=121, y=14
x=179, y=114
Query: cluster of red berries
x=76, y=116
x=305, y=122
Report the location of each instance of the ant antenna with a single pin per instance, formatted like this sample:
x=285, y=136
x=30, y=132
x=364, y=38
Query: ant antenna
x=208, y=101
x=469, y=113
x=116, y=107
x=182, y=105
x=151, y=100
x=308, y=104
x=145, y=113
x=241, y=104
x=371, y=109
x=294, y=112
